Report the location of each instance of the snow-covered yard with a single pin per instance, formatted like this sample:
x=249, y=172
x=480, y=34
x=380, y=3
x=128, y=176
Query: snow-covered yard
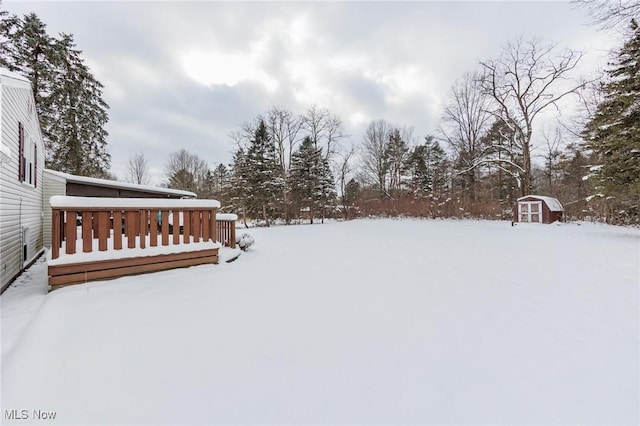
x=362, y=322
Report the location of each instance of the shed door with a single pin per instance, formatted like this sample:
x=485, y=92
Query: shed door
x=530, y=211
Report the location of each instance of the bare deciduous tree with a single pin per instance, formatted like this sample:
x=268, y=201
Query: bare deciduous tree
x=325, y=129
x=138, y=169
x=465, y=121
x=343, y=172
x=526, y=80
x=189, y=168
x=374, y=155
x=611, y=13
x=284, y=128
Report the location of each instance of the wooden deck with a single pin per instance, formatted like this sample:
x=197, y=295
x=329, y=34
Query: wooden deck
x=102, y=238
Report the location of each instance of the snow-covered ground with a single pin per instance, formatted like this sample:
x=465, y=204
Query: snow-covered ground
x=362, y=322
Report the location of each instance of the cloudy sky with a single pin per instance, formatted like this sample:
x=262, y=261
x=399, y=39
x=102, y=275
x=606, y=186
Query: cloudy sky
x=184, y=75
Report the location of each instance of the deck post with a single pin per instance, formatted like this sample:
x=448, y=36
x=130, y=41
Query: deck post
x=56, y=231
x=212, y=226
x=232, y=242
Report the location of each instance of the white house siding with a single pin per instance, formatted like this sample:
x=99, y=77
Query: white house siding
x=53, y=185
x=20, y=203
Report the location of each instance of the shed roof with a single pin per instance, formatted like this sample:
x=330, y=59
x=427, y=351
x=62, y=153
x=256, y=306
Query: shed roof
x=553, y=203
x=120, y=185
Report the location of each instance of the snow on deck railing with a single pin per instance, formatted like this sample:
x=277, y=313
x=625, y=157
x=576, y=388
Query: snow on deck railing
x=112, y=220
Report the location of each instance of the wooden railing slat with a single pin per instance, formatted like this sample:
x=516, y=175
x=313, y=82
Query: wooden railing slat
x=130, y=227
x=176, y=227
x=103, y=230
x=71, y=232
x=143, y=228
x=165, y=228
x=117, y=230
x=196, y=226
x=153, y=228
x=186, y=232
x=87, y=228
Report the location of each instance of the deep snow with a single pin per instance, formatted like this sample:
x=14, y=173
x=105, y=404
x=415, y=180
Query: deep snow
x=362, y=322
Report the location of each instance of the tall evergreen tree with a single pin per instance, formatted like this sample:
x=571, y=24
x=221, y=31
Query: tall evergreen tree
x=396, y=153
x=9, y=24
x=77, y=138
x=427, y=165
x=614, y=131
x=68, y=97
x=238, y=185
x=264, y=177
x=311, y=181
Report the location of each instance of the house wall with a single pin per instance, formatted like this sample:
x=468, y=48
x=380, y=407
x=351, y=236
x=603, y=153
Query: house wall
x=20, y=202
x=53, y=185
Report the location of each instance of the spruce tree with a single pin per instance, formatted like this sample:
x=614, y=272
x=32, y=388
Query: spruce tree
x=614, y=132
x=427, y=165
x=264, y=176
x=396, y=154
x=9, y=24
x=311, y=181
x=77, y=138
x=238, y=185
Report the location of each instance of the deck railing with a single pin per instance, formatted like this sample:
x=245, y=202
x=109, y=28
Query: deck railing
x=87, y=224
x=226, y=229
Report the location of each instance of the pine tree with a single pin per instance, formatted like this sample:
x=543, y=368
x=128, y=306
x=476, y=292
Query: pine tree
x=68, y=98
x=9, y=24
x=427, y=165
x=397, y=155
x=264, y=177
x=182, y=180
x=238, y=184
x=31, y=53
x=311, y=181
x=614, y=132
x=351, y=195
x=77, y=138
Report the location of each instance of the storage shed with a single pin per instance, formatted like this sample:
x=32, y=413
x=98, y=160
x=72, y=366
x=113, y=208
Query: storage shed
x=537, y=209
x=58, y=183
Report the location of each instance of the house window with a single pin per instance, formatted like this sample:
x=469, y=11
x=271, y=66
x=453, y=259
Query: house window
x=21, y=161
x=28, y=159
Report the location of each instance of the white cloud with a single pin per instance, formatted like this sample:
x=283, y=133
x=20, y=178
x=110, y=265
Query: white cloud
x=219, y=68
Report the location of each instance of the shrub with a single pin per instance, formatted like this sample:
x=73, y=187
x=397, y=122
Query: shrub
x=244, y=241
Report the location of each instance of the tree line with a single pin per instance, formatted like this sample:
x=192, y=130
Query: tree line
x=478, y=162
